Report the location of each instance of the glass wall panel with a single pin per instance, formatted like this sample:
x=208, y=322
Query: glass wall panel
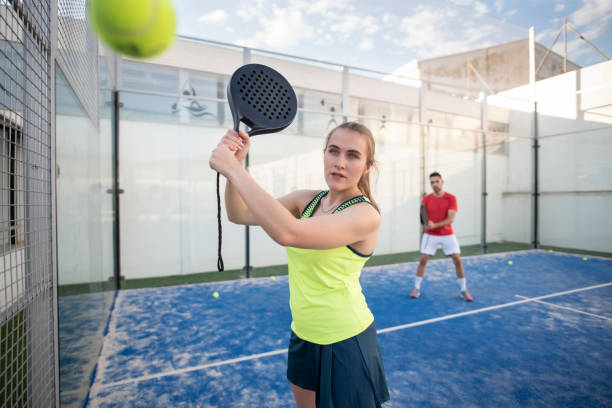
x=396, y=184
x=509, y=148
x=85, y=248
x=576, y=190
x=496, y=167
x=319, y=112
x=136, y=76
x=384, y=111
x=169, y=208
x=517, y=197
x=454, y=153
x=202, y=84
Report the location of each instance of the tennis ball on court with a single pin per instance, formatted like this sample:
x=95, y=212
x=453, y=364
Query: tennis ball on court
x=509, y=262
x=138, y=28
x=215, y=294
x=272, y=277
x=584, y=259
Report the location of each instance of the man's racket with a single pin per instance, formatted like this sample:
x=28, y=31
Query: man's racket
x=424, y=217
x=264, y=100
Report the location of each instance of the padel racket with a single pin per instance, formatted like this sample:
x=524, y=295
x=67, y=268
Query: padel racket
x=424, y=216
x=264, y=100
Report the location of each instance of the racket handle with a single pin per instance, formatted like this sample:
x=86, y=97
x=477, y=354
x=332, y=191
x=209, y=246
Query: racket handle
x=220, y=266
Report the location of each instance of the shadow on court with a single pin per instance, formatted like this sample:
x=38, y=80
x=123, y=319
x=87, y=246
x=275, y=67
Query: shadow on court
x=539, y=333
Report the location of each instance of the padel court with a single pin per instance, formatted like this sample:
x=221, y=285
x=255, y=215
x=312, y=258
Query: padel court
x=538, y=334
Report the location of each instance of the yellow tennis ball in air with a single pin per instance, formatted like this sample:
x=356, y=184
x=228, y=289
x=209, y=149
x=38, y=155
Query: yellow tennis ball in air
x=551, y=251
x=584, y=259
x=509, y=262
x=215, y=294
x=138, y=28
x=272, y=277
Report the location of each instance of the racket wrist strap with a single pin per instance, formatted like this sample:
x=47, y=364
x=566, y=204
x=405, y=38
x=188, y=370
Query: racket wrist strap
x=220, y=266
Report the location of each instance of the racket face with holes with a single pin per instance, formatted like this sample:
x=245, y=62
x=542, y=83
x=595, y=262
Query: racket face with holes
x=261, y=98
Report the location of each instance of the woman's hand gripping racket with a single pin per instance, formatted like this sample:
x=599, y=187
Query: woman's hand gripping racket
x=264, y=100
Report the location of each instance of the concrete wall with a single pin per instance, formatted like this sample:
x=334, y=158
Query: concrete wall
x=502, y=67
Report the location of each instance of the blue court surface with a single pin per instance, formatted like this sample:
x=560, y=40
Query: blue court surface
x=538, y=334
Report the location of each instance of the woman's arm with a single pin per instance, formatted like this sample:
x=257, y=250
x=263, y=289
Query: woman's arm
x=238, y=212
x=352, y=225
x=236, y=209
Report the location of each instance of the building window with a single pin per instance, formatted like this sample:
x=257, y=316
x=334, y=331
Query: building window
x=12, y=203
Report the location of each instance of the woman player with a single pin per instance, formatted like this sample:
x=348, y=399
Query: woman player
x=334, y=358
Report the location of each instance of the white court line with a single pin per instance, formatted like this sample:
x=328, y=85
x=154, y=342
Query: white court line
x=95, y=388
x=189, y=369
x=566, y=308
x=486, y=309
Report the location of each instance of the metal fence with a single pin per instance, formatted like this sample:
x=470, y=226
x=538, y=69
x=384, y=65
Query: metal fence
x=27, y=290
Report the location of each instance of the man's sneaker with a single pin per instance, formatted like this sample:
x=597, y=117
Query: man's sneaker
x=466, y=295
x=415, y=293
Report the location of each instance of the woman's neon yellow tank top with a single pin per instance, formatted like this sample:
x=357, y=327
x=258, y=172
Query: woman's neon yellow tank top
x=327, y=304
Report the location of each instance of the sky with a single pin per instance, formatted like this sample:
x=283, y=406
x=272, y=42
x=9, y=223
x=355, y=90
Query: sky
x=384, y=35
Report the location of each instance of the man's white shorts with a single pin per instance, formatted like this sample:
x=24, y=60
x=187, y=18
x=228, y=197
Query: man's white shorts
x=430, y=244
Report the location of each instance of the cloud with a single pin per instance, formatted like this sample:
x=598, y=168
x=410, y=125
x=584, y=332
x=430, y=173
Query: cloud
x=422, y=31
x=366, y=45
x=285, y=28
x=218, y=16
x=546, y=36
x=510, y=13
x=346, y=25
x=323, y=7
x=559, y=7
x=499, y=5
x=323, y=39
x=388, y=19
x=592, y=20
x=478, y=6
x=597, y=12
x=252, y=11
x=430, y=32
x=349, y=24
x=370, y=25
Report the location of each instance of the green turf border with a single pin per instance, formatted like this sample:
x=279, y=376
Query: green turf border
x=277, y=270
x=13, y=362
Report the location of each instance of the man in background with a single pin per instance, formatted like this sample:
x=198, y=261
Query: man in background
x=441, y=210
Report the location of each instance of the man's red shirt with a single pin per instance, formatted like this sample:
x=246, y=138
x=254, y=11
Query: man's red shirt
x=437, y=210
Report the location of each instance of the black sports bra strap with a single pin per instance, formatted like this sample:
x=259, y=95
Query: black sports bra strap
x=352, y=201
x=312, y=205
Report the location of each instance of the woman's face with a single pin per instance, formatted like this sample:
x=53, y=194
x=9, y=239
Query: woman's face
x=345, y=159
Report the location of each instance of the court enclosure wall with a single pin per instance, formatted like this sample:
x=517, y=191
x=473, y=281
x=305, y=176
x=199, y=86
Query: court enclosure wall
x=575, y=137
